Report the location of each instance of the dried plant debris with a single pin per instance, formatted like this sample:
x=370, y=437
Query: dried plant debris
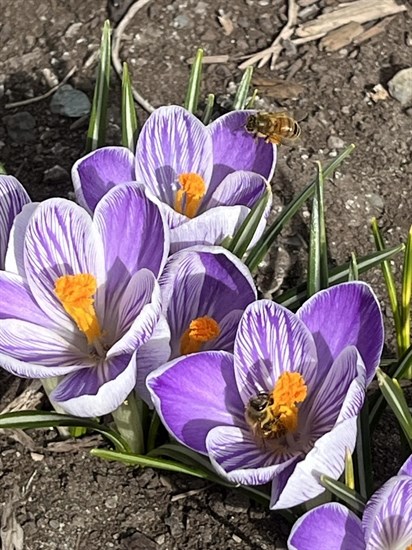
x=11, y=532
x=277, y=88
x=378, y=93
x=226, y=22
x=339, y=38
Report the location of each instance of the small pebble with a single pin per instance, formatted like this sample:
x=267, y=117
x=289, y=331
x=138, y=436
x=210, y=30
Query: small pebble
x=335, y=142
x=400, y=87
x=21, y=126
x=70, y=102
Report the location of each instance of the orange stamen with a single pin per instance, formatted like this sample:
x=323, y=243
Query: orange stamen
x=289, y=390
x=189, y=197
x=201, y=330
x=76, y=292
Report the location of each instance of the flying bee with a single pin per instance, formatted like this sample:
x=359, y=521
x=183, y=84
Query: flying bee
x=260, y=417
x=273, y=127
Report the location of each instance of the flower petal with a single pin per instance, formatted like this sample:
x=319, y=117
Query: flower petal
x=271, y=340
x=203, y=281
x=406, y=468
x=151, y=356
x=387, y=519
x=60, y=240
x=240, y=187
x=13, y=197
x=328, y=527
x=33, y=351
x=99, y=171
x=235, y=455
x=172, y=142
x=344, y=315
x=14, y=262
x=235, y=149
x=97, y=390
x=211, y=228
x=194, y=394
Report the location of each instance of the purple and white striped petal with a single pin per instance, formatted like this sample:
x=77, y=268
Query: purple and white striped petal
x=203, y=281
x=235, y=149
x=327, y=527
x=151, y=356
x=13, y=197
x=406, y=469
x=96, y=173
x=97, y=390
x=194, y=394
x=344, y=315
x=211, y=228
x=60, y=240
x=244, y=188
x=134, y=235
x=271, y=340
x=387, y=520
x=172, y=142
x=236, y=456
x=14, y=262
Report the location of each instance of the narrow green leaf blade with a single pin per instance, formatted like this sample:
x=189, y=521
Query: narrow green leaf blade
x=405, y=313
x=395, y=398
x=295, y=297
x=3, y=170
x=243, y=90
x=25, y=420
x=96, y=135
x=251, y=103
x=244, y=235
x=130, y=126
x=353, y=274
x=193, y=89
x=207, y=115
x=349, y=496
x=349, y=473
x=362, y=454
x=268, y=238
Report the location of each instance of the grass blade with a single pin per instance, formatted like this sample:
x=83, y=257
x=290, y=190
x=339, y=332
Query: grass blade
x=207, y=115
x=260, y=250
x=193, y=89
x=353, y=274
x=96, y=134
x=244, y=235
x=362, y=454
x=390, y=285
x=130, y=126
x=40, y=419
x=405, y=312
x=295, y=297
x=349, y=496
x=251, y=103
x=243, y=90
x=318, y=261
x=349, y=474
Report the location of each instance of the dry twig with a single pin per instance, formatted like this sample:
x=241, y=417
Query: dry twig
x=276, y=47
x=117, y=39
x=43, y=96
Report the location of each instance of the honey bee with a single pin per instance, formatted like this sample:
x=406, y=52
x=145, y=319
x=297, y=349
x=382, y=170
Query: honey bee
x=260, y=417
x=273, y=127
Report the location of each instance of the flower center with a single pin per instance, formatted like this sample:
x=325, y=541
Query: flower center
x=189, y=197
x=76, y=292
x=272, y=415
x=201, y=330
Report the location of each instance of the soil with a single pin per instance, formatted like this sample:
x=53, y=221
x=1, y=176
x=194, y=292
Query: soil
x=65, y=499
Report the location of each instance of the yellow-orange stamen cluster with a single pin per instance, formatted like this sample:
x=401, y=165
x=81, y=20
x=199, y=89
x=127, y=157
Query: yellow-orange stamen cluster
x=290, y=389
x=201, y=330
x=76, y=293
x=189, y=197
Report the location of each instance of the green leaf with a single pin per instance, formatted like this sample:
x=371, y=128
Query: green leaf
x=395, y=398
x=318, y=259
x=390, y=285
x=251, y=103
x=349, y=496
x=130, y=126
x=405, y=313
x=397, y=371
x=243, y=90
x=3, y=170
x=349, y=474
x=362, y=454
x=77, y=431
x=41, y=419
x=96, y=134
x=193, y=89
x=207, y=115
x=268, y=238
x=128, y=418
x=295, y=297
x=353, y=274
x=244, y=235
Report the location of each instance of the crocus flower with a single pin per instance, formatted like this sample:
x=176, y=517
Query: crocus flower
x=207, y=177
x=84, y=298
x=283, y=407
x=204, y=293
x=13, y=197
x=386, y=522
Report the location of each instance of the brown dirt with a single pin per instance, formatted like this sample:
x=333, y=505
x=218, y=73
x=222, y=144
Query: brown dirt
x=75, y=501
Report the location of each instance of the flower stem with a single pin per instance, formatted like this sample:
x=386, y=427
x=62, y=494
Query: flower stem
x=128, y=420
